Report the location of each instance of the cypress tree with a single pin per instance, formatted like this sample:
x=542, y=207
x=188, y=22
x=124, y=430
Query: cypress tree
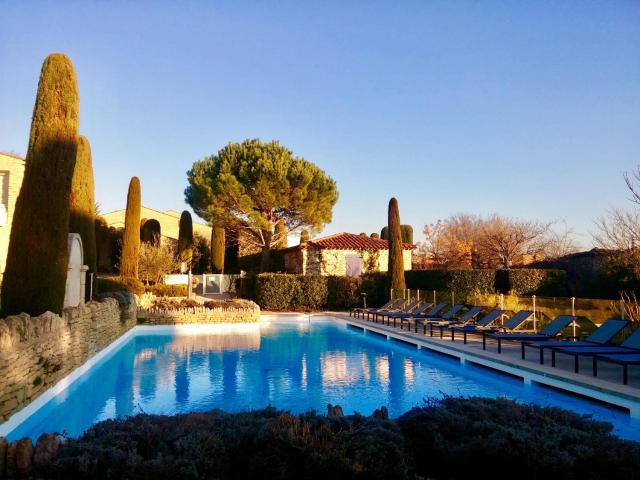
x=82, y=213
x=217, y=249
x=185, y=238
x=37, y=260
x=375, y=236
x=280, y=232
x=406, y=231
x=304, y=236
x=384, y=233
x=131, y=239
x=396, y=262
x=150, y=232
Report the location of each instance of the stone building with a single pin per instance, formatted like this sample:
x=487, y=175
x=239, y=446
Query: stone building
x=343, y=254
x=11, y=174
x=169, y=222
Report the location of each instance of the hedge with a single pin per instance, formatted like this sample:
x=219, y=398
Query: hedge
x=441, y=439
x=162, y=290
x=119, y=284
x=282, y=291
x=532, y=281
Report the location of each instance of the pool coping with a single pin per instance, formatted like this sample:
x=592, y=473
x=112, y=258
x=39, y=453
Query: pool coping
x=621, y=396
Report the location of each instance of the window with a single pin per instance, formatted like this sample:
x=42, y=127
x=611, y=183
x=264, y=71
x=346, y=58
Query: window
x=354, y=265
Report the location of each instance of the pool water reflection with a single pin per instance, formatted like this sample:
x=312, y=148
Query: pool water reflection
x=290, y=364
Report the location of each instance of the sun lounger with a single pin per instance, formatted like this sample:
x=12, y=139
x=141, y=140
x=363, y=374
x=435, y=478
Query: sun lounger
x=630, y=345
x=624, y=359
x=356, y=311
x=514, y=323
x=449, y=315
x=551, y=330
x=603, y=335
x=407, y=308
x=389, y=306
x=488, y=320
x=423, y=310
x=464, y=319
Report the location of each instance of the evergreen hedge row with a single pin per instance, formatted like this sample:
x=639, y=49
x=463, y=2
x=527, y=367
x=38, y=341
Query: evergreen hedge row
x=283, y=291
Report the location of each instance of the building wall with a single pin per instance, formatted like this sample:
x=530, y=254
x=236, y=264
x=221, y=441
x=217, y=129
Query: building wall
x=333, y=262
x=12, y=170
x=169, y=222
x=35, y=353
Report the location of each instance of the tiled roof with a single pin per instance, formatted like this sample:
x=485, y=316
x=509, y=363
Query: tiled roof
x=351, y=241
x=12, y=155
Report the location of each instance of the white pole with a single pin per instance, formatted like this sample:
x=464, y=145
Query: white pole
x=189, y=284
x=418, y=292
x=392, y=294
x=204, y=284
x=534, y=313
x=502, y=301
x=621, y=310
x=91, y=286
x=434, y=297
x=453, y=297
x=573, y=314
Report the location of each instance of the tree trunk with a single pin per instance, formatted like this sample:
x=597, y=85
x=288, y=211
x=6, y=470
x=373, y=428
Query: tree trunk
x=265, y=260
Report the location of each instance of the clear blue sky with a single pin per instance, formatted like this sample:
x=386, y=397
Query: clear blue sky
x=528, y=109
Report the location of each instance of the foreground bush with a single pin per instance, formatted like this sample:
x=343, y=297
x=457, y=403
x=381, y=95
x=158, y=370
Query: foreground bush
x=119, y=284
x=162, y=290
x=445, y=439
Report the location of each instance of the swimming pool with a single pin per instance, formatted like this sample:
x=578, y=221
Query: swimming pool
x=291, y=364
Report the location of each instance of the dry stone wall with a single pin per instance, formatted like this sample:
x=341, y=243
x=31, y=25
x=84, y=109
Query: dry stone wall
x=36, y=352
x=157, y=316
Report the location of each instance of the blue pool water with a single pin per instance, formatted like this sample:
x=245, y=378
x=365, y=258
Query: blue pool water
x=293, y=365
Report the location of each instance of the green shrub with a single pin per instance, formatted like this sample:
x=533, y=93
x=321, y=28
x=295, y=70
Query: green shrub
x=82, y=204
x=131, y=236
x=119, y=284
x=162, y=290
x=532, y=281
x=343, y=292
x=461, y=282
x=36, y=269
x=443, y=440
x=278, y=291
x=313, y=291
x=447, y=436
x=376, y=285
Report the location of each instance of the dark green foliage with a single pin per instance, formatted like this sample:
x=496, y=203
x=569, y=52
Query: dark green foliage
x=150, y=232
x=252, y=185
x=462, y=282
x=82, y=204
x=131, y=236
x=304, y=236
x=343, y=292
x=396, y=262
x=162, y=290
x=406, y=232
x=509, y=440
x=284, y=291
x=217, y=249
x=36, y=270
x=253, y=262
x=278, y=291
x=119, y=284
x=375, y=236
x=445, y=439
x=261, y=444
x=108, y=246
x=532, y=281
x=185, y=238
x=376, y=286
x=201, y=255
x=280, y=233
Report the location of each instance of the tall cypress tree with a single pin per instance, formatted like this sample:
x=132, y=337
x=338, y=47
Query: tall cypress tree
x=396, y=262
x=185, y=238
x=150, y=232
x=131, y=239
x=82, y=214
x=304, y=236
x=37, y=261
x=217, y=249
x=280, y=233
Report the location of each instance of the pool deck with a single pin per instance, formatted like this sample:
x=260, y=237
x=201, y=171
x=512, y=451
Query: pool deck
x=607, y=387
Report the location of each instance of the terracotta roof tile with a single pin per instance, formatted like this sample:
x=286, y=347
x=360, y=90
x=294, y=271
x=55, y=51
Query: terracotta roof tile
x=351, y=241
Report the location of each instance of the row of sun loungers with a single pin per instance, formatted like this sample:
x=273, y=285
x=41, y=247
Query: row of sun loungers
x=598, y=345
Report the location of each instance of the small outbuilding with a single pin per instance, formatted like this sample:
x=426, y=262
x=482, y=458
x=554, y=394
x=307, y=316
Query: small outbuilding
x=342, y=254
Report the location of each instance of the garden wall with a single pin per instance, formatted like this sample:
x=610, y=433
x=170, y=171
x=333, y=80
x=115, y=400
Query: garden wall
x=157, y=316
x=36, y=352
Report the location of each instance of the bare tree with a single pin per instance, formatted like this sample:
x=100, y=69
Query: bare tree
x=509, y=242
x=561, y=243
x=450, y=243
x=155, y=261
